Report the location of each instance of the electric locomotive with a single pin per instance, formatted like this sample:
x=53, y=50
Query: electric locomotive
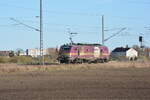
x=83, y=53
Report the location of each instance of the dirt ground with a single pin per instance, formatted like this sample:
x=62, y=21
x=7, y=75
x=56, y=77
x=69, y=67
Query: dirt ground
x=81, y=84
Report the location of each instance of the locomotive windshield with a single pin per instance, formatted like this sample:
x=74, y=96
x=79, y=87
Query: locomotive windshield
x=66, y=48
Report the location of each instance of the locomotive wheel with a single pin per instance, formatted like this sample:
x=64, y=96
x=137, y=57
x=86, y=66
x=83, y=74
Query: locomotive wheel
x=105, y=60
x=78, y=61
x=101, y=61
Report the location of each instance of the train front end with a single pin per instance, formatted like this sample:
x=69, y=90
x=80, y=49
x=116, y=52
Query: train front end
x=64, y=54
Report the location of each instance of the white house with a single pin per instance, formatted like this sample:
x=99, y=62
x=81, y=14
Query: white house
x=132, y=54
x=129, y=53
x=36, y=52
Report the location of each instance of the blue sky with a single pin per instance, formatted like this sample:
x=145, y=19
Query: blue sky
x=81, y=16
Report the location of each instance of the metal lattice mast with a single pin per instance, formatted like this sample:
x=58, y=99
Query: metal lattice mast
x=103, y=42
x=41, y=33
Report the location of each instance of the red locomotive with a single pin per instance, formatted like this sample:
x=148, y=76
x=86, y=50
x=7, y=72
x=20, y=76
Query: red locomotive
x=83, y=53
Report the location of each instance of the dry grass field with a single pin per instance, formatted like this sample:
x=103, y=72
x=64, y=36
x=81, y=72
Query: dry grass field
x=110, y=81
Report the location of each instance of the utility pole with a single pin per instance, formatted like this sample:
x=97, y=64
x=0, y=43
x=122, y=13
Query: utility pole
x=40, y=30
x=103, y=30
x=41, y=33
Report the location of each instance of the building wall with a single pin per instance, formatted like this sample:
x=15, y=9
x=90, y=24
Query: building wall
x=4, y=53
x=118, y=54
x=23, y=54
x=36, y=52
x=131, y=53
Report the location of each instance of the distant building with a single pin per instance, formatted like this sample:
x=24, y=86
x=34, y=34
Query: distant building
x=36, y=52
x=5, y=53
x=23, y=54
x=129, y=53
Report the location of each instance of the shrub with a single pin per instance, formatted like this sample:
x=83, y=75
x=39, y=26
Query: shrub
x=12, y=60
x=24, y=60
x=3, y=59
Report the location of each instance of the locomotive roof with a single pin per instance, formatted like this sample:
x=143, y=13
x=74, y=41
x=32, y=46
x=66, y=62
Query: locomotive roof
x=83, y=44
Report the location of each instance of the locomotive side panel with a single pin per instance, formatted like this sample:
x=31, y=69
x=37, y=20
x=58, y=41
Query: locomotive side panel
x=104, y=52
x=81, y=52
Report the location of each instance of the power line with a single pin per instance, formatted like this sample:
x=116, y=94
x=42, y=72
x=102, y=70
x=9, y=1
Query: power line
x=54, y=12
x=20, y=23
x=139, y=2
x=115, y=34
x=53, y=24
x=50, y=12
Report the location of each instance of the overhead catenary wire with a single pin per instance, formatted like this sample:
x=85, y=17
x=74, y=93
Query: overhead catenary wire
x=76, y=13
x=18, y=22
x=69, y=12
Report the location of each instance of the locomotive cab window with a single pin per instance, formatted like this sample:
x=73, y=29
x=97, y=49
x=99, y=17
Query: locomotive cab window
x=66, y=48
